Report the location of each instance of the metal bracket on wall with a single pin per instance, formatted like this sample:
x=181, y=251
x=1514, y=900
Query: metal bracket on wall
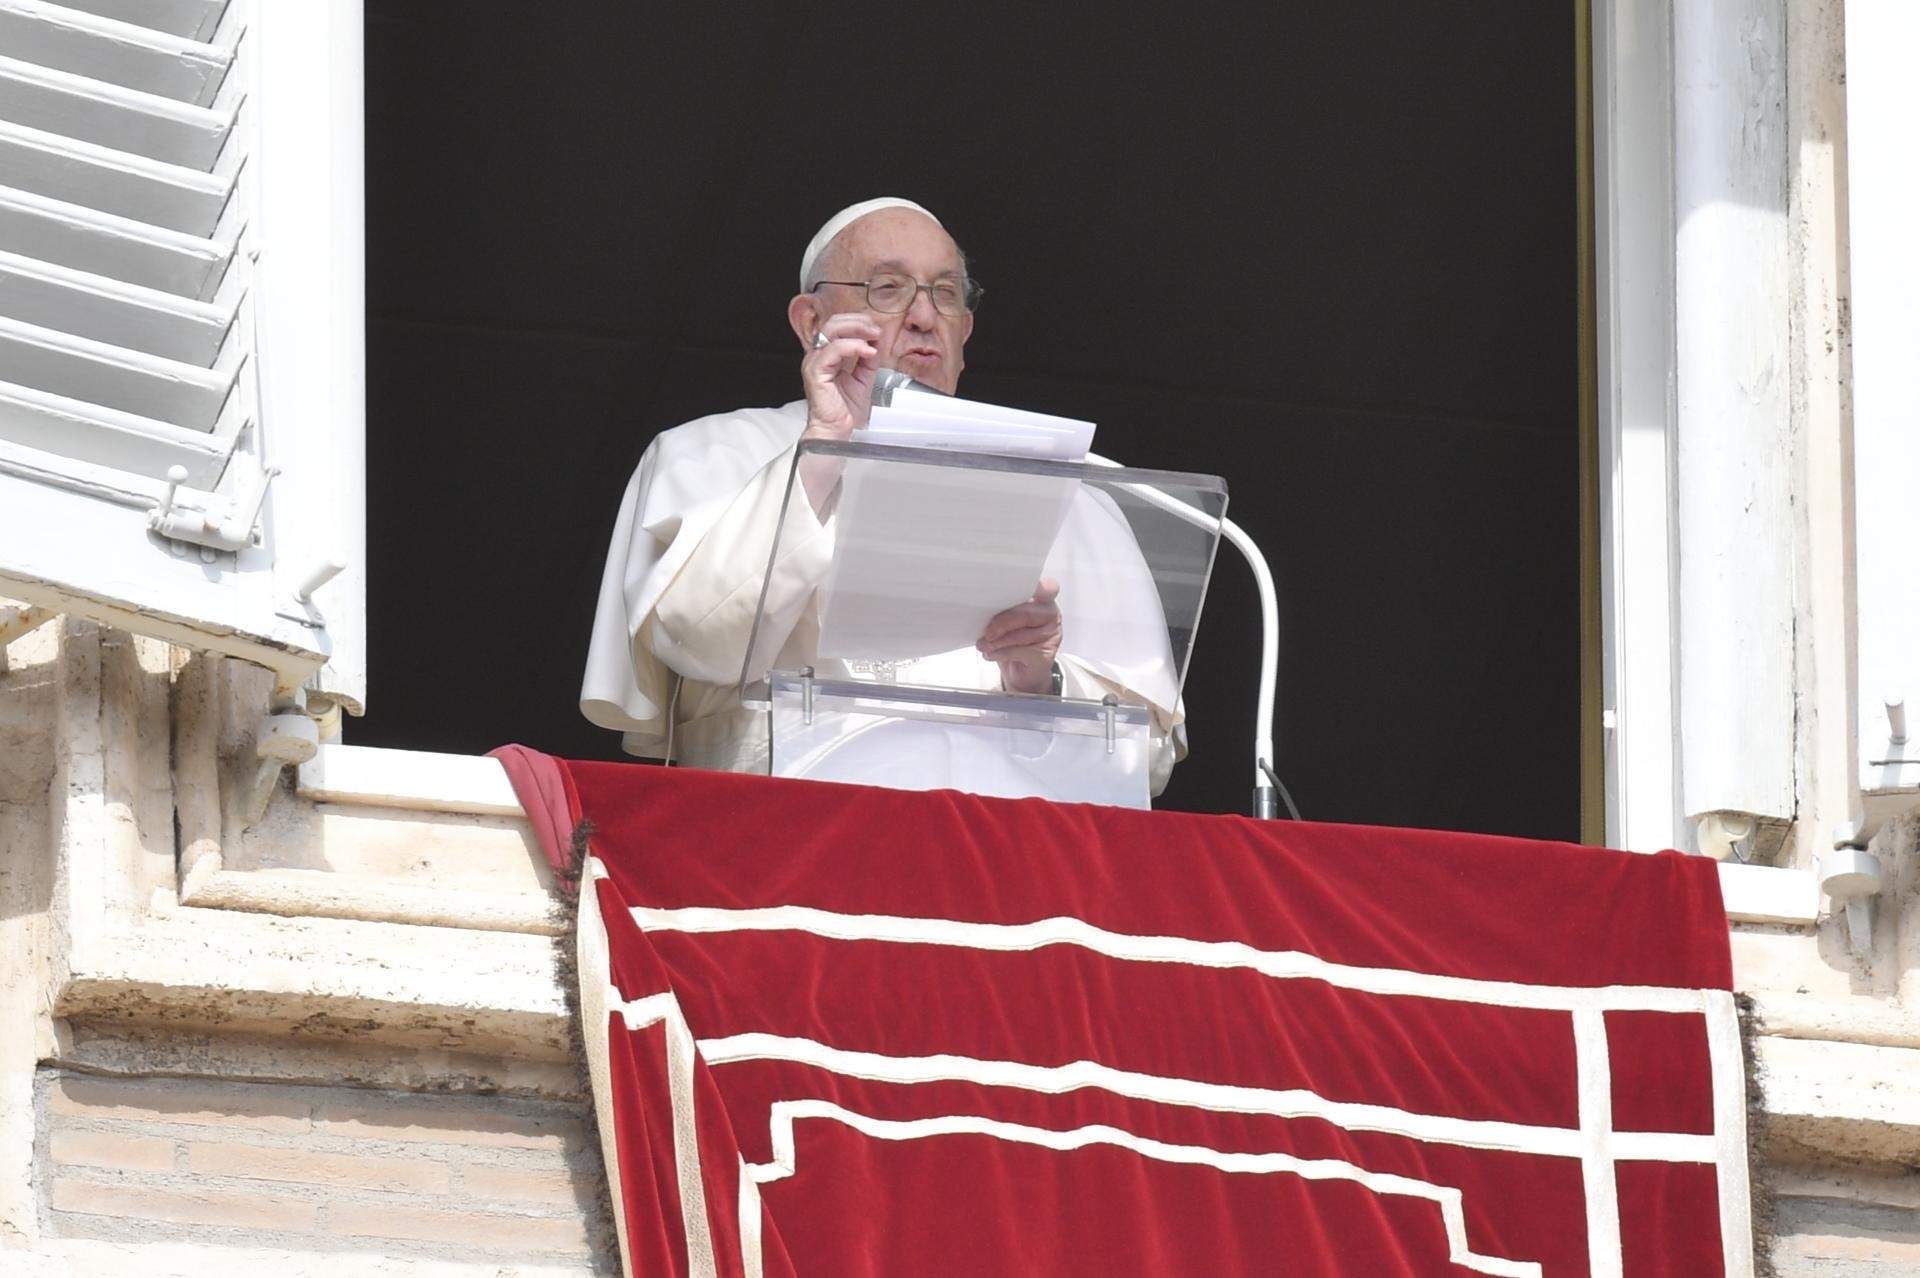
x=287, y=735
x=1852, y=877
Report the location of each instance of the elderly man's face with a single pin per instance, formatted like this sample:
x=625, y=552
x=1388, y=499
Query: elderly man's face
x=920, y=341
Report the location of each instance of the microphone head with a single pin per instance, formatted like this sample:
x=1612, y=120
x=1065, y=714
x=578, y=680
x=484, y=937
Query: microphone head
x=889, y=381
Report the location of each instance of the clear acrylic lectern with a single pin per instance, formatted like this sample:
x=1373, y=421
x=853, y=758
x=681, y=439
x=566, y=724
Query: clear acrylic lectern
x=862, y=654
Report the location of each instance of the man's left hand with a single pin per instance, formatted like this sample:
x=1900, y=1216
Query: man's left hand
x=1024, y=640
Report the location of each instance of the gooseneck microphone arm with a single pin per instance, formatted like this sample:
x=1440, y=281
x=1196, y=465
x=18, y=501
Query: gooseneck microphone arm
x=1266, y=801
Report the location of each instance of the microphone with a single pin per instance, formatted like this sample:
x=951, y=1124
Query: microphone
x=890, y=381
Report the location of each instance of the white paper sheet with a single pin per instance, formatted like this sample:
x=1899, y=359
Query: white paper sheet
x=939, y=421
x=924, y=556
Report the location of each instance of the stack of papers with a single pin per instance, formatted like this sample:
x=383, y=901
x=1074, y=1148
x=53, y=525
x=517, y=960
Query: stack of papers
x=921, y=420
x=925, y=555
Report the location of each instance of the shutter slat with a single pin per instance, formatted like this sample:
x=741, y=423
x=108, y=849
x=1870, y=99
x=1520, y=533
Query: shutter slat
x=108, y=310
x=111, y=115
x=98, y=48
x=71, y=428
x=117, y=182
x=112, y=193
x=103, y=244
x=194, y=19
x=130, y=381
x=131, y=195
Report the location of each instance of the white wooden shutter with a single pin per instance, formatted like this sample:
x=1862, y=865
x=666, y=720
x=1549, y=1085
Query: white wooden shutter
x=181, y=349
x=1883, y=208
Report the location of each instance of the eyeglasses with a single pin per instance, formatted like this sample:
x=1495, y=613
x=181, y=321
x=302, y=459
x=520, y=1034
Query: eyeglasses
x=891, y=294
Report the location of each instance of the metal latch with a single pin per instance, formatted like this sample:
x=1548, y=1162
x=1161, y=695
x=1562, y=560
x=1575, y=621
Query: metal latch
x=209, y=530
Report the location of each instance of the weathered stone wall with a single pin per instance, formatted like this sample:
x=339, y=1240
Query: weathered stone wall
x=343, y=1051
x=1846, y=1223
x=29, y=704
x=345, y=1171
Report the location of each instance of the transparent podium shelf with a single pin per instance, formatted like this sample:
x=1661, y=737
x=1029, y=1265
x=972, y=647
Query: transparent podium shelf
x=1006, y=744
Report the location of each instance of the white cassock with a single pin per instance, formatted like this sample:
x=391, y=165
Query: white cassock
x=683, y=581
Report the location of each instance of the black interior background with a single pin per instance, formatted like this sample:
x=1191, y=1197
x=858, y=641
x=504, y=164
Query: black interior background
x=1324, y=249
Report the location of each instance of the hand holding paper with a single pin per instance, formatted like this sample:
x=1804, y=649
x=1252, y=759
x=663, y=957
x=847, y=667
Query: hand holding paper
x=1025, y=639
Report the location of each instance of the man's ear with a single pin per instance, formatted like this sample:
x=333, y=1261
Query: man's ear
x=966, y=330
x=804, y=317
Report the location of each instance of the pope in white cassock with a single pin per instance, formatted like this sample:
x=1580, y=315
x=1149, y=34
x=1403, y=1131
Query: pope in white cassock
x=882, y=285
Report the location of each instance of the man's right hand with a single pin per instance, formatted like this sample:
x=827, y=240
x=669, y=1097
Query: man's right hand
x=838, y=376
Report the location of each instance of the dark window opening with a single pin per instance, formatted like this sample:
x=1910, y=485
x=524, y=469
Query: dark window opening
x=1326, y=251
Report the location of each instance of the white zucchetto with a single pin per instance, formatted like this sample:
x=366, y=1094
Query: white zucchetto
x=841, y=221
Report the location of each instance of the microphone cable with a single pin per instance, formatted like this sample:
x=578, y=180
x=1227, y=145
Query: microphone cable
x=1285, y=798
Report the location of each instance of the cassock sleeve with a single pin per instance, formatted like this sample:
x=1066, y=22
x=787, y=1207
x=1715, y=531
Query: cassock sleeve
x=689, y=480
x=701, y=623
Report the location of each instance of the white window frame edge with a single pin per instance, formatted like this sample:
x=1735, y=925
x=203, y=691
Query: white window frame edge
x=308, y=175
x=1885, y=401
x=1633, y=260
x=1698, y=554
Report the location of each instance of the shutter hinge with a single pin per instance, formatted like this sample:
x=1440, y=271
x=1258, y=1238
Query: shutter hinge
x=211, y=530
